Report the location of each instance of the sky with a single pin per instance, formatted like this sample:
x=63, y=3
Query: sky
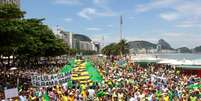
x=176, y=21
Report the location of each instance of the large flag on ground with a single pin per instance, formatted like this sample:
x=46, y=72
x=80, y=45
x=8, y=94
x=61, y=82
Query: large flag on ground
x=82, y=72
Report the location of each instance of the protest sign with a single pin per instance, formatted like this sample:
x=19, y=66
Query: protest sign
x=50, y=80
x=10, y=93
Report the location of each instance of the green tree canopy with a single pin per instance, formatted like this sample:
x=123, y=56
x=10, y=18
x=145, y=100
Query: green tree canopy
x=27, y=38
x=116, y=48
x=10, y=11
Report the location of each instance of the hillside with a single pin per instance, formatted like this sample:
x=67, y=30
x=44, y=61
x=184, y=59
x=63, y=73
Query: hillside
x=197, y=49
x=164, y=45
x=184, y=50
x=141, y=44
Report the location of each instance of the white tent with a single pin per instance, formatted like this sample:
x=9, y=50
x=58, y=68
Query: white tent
x=186, y=62
x=168, y=61
x=13, y=68
x=176, y=62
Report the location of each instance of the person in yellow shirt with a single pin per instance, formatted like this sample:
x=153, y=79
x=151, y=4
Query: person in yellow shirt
x=65, y=97
x=166, y=97
x=84, y=94
x=71, y=97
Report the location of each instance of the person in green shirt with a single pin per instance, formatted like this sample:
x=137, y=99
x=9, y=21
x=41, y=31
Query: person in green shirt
x=158, y=94
x=170, y=94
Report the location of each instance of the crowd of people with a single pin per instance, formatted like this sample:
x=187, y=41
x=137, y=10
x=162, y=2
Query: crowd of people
x=11, y=78
x=123, y=80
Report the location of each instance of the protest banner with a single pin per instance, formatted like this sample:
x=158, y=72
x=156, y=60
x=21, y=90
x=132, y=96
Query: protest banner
x=10, y=93
x=50, y=80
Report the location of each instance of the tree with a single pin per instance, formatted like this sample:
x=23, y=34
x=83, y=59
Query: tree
x=110, y=49
x=26, y=39
x=41, y=42
x=11, y=31
x=123, y=47
x=116, y=49
x=10, y=11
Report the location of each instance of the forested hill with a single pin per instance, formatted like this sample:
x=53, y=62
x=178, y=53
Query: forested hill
x=141, y=44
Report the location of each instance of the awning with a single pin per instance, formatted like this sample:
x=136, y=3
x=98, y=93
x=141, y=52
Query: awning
x=189, y=66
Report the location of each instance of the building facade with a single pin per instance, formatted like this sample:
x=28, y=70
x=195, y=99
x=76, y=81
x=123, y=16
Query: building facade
x=78, y=41
x=16, y=2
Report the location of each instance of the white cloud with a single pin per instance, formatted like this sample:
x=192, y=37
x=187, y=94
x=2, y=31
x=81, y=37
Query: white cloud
x=154, y=4
x=189, y=24
x=71, y=2
x=173, y=34
x=169, y=16
x=93, y=29
x=68, y=19
x=179, y=11
x=190, y=8
x=89, y=13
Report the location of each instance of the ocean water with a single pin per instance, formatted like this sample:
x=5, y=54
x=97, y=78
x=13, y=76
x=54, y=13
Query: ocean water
x=180, y=56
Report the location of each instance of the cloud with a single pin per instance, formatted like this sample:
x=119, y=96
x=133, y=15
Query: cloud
x=175, y=10
x=169, y=16
x=173, y=34
x=89, y=13
x=93, y=29
x=154, y=4
x=189, y=24
x=68, y=19
x=70, y=2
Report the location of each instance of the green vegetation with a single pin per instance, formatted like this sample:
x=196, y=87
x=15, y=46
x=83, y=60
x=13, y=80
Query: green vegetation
x=197, y=49
x=141, y=44
x=184, y=50
x=120, y=48
x=27, y=40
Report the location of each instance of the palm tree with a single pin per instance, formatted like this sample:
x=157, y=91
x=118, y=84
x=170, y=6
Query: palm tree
x=123, y=47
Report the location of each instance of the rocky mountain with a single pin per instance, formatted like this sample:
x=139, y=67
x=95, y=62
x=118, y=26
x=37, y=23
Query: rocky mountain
x=141, y=44
x=184, y=50
x=197, y=49
x=164, y=45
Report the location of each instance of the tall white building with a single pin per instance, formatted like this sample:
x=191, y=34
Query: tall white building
x=78, y=41
x=16, y=2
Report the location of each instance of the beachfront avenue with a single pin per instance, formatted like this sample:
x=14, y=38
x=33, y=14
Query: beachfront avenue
x=37, y=65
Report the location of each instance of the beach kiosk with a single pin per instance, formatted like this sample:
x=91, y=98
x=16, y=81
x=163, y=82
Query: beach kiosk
x=190, y=69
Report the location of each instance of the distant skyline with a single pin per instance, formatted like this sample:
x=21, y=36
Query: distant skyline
x=176, y=21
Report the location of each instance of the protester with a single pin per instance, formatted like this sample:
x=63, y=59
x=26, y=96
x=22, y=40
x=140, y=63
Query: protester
x=122, y=81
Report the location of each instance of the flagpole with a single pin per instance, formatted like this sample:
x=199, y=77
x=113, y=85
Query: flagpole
x=121, y=23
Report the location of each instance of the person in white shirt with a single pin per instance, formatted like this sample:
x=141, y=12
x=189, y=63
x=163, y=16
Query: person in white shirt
x=91, y=93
